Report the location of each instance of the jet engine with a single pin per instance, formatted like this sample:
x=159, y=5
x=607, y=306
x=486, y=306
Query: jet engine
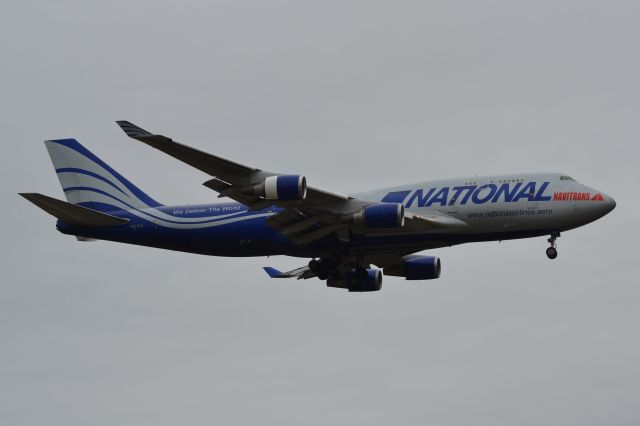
x=361, y=280
x=416, y=267
x=358, y=280
x=281, y=187
x=383, y=215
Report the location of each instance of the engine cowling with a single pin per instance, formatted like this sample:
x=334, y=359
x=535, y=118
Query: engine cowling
x=416, y=267
x=361, y=280
x=383, y=215
x=281, y=187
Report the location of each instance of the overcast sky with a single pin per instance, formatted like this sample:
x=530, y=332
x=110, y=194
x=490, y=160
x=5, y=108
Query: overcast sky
x=355, y=95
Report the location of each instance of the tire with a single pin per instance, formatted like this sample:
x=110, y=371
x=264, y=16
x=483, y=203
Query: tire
x=552, y=253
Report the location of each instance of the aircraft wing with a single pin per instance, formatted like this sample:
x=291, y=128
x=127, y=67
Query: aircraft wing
x=228, y=174
x=302, y=221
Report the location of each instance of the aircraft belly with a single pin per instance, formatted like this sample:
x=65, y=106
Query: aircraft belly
x=251, y=237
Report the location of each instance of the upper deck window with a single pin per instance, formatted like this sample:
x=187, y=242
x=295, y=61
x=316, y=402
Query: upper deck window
x=566, y=178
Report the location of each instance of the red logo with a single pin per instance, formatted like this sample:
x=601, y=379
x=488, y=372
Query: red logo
x=571, y=196
x=576, y=196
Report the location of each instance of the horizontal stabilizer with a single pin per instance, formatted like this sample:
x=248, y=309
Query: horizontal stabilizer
x=72, y=213
x=299, y=273
x=273, y=272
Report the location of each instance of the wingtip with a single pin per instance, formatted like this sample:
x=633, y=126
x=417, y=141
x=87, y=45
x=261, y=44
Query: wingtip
x=131, y=129
x=272, y=272
x=28, y=195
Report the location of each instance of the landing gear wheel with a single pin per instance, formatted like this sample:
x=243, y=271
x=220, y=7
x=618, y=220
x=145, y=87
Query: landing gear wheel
x=552, y=252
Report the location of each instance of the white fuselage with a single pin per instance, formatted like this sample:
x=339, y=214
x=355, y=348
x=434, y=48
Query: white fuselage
x=503, y=204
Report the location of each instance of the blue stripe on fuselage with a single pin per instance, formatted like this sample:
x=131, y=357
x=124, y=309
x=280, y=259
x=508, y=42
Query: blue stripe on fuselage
x=247, y=235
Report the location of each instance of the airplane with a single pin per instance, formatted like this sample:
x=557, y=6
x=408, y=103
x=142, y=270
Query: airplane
x=279, y=214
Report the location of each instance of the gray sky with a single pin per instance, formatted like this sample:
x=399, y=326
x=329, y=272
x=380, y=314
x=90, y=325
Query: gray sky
x=355, y=95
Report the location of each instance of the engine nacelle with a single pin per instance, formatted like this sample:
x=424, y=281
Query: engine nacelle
x=416, y=267
x=383, y=215
x=358, y=280
x=361, y=280
x=281, y=187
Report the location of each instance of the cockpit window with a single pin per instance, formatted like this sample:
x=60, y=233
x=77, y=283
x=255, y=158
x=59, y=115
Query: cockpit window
x=566, y=178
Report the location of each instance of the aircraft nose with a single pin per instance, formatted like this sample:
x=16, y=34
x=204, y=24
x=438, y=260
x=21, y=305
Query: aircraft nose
x=599, y=204
x=609, y=203
x=606, y=204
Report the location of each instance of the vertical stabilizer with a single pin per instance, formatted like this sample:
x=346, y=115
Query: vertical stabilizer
x=89, y=181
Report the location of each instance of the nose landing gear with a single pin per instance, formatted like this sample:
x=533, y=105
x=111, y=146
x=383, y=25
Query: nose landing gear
x=552, y=252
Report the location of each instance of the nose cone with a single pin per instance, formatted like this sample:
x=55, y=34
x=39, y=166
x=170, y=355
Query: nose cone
x=609, y=203
x=600, y=204
x=597, y=205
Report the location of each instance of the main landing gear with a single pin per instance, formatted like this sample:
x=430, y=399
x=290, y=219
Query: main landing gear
x=552, y=252
x=325, y=267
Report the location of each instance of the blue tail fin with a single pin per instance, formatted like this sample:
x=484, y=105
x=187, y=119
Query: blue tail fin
x=89, y=181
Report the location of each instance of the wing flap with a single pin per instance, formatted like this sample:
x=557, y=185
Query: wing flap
x=433, y=220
